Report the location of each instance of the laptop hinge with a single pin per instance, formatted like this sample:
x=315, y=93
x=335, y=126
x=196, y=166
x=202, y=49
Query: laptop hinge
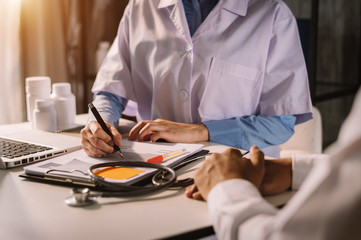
x=2, y=164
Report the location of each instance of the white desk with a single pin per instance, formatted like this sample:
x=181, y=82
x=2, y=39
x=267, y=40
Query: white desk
x=32, y=210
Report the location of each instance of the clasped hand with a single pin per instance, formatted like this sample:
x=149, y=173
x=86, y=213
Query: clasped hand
x=269, y=176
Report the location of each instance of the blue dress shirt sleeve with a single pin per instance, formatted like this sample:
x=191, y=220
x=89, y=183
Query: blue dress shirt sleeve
x=244, y=132
x=110, y=106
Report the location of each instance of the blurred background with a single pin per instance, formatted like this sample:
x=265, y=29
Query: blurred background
x=65, y=39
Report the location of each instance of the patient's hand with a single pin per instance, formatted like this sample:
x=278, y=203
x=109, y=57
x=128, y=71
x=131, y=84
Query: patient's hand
x=228, y=165
x=278, y=176
x=169, y=131
x=277, y=179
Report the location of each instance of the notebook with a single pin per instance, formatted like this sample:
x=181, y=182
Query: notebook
x=19, y=145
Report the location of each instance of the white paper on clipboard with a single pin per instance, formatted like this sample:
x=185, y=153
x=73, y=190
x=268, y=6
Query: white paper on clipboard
x=76, y=164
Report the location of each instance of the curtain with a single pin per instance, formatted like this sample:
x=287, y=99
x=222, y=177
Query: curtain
x=11, y=85
x=43, y=37
x=59, y=39
x=32, y=43
x=55, y=38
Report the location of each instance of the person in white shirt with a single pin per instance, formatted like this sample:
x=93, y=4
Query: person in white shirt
x=225, y=71
x=327, y=205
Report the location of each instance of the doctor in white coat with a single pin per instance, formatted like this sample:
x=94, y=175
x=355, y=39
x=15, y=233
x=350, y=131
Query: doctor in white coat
x=327, y=205
x=227, y=71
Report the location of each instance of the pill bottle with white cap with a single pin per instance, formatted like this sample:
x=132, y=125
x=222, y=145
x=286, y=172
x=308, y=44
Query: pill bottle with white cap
x=65, y=105
x=45, y=115
x=38, y=87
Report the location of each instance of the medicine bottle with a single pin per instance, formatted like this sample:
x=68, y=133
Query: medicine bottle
x=45, y=115
x=36, y=88
x=65, y=105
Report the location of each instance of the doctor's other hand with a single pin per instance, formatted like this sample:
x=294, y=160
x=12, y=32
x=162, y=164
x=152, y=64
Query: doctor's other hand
x=224, y=166
x=96, y=142
x=168, y=131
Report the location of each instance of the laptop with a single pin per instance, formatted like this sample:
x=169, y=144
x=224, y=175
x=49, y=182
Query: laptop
x=19, y=145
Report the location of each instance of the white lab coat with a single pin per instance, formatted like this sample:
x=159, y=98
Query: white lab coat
x=245, y=59
x=327, y=206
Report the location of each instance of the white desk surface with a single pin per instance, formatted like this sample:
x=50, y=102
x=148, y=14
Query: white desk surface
x=33, y=210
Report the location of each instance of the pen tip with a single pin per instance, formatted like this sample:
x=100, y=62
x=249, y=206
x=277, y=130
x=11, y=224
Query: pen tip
x=120, y=154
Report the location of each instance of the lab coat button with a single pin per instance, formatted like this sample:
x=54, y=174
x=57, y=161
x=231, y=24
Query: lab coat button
x=188, y=48
x=183, y=94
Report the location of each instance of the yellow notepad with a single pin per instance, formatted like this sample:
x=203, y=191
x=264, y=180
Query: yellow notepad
x=118, y=173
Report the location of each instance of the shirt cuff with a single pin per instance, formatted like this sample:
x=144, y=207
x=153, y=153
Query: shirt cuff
x=227, y=132
x=232, y=190
x=233, y=203
x=301, y=167
x=109, y=106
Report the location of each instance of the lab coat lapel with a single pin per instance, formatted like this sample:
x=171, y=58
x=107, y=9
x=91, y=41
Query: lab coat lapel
x=177, y=16
x=238, y=8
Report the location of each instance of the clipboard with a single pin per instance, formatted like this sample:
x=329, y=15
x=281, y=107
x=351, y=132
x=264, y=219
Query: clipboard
x=61, y=170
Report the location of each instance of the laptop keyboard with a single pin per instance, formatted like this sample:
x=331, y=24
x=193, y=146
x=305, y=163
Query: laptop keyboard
x=13, y=149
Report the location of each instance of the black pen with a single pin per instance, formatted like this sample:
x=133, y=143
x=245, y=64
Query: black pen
x=104, y=126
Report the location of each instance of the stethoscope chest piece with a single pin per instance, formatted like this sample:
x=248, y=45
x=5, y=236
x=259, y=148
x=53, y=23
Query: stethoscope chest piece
x=80, y=197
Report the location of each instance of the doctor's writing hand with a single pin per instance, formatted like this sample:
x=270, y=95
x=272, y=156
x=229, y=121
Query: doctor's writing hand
x=169, y=131
x=225, y=166
x=96, y=142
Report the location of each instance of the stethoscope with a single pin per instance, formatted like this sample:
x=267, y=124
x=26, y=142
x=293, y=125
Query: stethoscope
x=163, y=179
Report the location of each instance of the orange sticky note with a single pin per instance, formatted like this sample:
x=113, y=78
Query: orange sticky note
x=118, y=173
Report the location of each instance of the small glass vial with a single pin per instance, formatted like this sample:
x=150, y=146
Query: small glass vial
x=65, y=105
x=45, y=115
x=36, y=88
